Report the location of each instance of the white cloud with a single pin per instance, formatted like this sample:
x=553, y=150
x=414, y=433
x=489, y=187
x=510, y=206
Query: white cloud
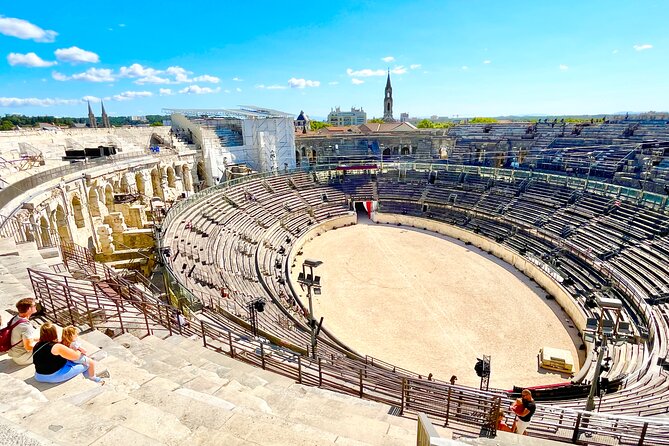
x=196, y=89
x=180, y=74
x=236, y=79
x=368, y=72
x=415, y=66
x=207, y=78
x=165, y=92
x=563, y=67
x=94, y=75
x=22, y=29
x=40, y=102
x=129, y=95
x=388, y=59
x=28, y=60
x=270, y=87
x=643, y=47
x=302, y=83
x=614, y=51
x=365, y=72
x=487, y=62
x=76, y=55
x=465, y=68
x=137, y=70
x=238, y=90
x=152, y=79
x=59, y=76
x=91, y=99
x=333, y=83
x=226, y=91
x=355, y=81
x=121, y=25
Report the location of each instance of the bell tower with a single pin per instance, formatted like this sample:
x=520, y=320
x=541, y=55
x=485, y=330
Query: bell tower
x=388, y=102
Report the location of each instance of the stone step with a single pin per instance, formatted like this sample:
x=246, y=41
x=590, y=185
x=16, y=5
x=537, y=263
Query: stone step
x=11, y=434
x=148, y=420
x=64, y=423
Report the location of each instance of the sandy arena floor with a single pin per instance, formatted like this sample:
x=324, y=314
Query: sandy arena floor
x=430, y=304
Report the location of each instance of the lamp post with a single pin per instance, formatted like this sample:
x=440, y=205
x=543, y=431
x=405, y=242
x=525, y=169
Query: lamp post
x=254, y=307
x=311, y=282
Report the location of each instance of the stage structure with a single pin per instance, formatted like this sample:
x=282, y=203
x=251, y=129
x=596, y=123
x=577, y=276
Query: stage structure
x=261, y=138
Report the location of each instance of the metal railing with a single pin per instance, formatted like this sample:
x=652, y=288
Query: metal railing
x=71, y=301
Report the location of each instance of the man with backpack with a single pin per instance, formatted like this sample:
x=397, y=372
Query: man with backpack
x=23, y=335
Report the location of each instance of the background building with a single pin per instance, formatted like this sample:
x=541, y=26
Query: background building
x=263, y=139
x=356, y=116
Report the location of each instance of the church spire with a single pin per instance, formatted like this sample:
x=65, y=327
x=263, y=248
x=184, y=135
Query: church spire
x=388, y=102
x=105, y=119
x=92, y=122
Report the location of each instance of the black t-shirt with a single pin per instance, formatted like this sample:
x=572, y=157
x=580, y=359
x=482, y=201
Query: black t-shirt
x=529, y=405
x=46, y=362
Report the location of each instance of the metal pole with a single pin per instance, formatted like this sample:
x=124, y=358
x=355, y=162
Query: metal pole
x=312, y=323
x=590, y=405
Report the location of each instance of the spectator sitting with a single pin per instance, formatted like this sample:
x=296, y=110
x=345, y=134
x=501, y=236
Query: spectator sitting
x=70, y=338
x=24, y=335
x=54, y=362
x=499, y=421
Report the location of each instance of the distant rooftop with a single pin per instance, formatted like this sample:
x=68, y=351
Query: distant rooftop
x=244, y=112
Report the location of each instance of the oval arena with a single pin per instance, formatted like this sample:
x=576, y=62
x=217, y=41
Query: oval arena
x=232, y=255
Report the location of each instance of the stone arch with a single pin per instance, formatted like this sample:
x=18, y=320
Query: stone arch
x=109, y=197
x=155, y=183
x=94, y=202
x=406, y=151
x=141, y=184
x=201, y=175
x=125, y=185
x=386, y=152
x=78, y=212
x=187, y=178
x=44, y=231
x=62, y=224
x=171, y=177
x=311, y=154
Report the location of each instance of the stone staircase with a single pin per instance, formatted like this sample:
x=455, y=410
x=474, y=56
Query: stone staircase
x=174, y=391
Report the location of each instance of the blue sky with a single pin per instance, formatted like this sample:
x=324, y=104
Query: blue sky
x=447, y=58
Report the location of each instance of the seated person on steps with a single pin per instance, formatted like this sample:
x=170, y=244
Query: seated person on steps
x=24, y=335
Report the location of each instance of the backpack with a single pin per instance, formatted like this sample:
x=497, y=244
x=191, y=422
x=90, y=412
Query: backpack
x=6, y=335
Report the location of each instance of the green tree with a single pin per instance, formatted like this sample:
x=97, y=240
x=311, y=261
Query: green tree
x=156, y=124
x=376, y=121
x=425, y=124
x=6, y=124
x=479, y=120
x=317, y=125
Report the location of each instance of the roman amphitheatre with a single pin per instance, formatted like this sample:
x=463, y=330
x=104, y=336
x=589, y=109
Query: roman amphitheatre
x=463, y=257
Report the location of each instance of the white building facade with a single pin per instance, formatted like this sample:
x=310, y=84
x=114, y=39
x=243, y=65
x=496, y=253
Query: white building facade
x=357, y=116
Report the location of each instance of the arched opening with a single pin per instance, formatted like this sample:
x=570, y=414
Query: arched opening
x=94, y=202
x=201, y=176
x=171, y=177
x=187, y=178
x=78, y=212
x=61, y=224
x=125, y=186
x=298, y=158
x=386, y=152
x=117, y=186
x=311, y=153
x=155, y=183
x=109, y=197
x=44, y=231
x=405, y=151
x=139, y=181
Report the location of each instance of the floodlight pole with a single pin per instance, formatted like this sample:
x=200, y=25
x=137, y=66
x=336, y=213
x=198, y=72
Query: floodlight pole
x=590, y=404
x=308, y=280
